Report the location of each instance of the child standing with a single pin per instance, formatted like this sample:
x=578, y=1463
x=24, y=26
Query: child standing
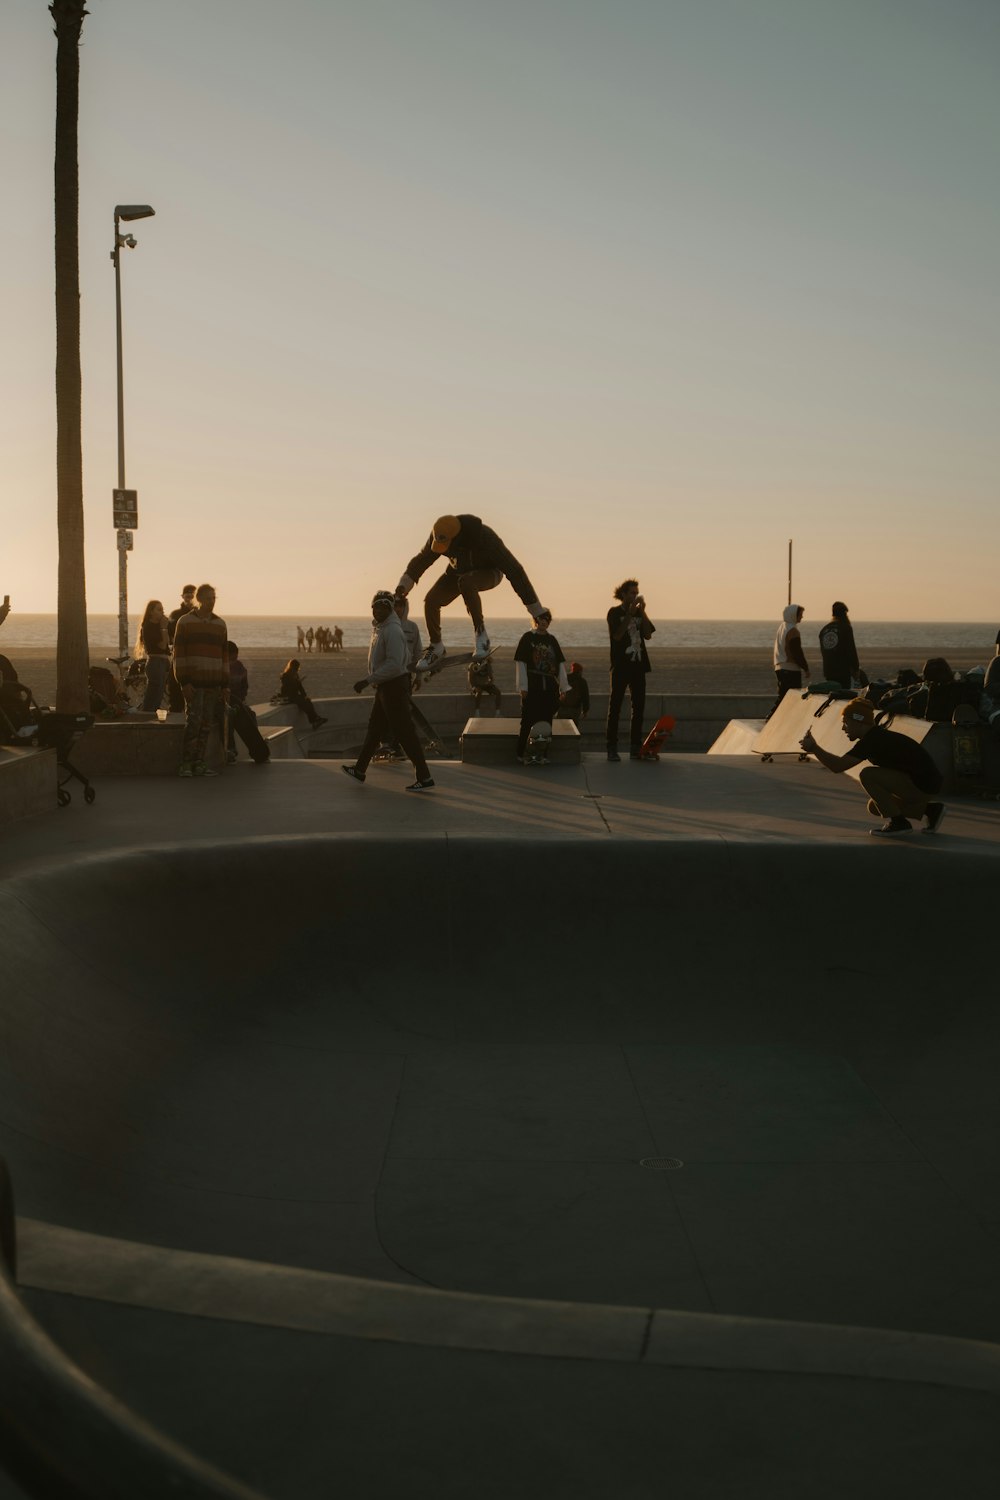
x=540, y=676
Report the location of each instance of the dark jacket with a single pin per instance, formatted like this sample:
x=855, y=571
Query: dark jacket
x=476, y=547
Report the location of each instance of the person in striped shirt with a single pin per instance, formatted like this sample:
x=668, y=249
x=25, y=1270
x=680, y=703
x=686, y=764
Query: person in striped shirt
x=201, y=666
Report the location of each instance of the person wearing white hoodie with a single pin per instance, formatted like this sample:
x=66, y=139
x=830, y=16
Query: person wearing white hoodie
x=388, y=673
x=790, y=665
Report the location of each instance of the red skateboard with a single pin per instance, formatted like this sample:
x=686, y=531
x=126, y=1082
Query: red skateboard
x=653, y=743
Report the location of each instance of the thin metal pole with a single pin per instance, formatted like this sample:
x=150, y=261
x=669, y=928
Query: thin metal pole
x=789, y=570
x=122, y=554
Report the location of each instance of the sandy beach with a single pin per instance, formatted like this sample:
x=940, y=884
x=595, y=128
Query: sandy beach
x=728, y=670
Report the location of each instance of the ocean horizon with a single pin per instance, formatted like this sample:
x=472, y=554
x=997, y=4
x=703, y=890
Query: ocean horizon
x=278, y=632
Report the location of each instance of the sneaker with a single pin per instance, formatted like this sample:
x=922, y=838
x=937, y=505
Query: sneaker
x=934, y=812
x=421, y=786
x=482, y=644
x=200, y=769
x=433, y=654
x=353, y=772
x=184, y=770
x=890, y=826
x=613, y=755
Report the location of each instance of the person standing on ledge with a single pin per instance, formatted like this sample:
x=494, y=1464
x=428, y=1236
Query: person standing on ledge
x=840, y=654
x=201, y=666
x=539, y=676
x=901, y=777
x=790, y=665
x=388, y=673
x=629, y=628
x=477, y=560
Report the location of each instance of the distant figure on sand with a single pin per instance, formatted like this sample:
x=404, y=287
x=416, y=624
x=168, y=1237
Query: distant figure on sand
x=292, y=691
x=390, y=716
x=790, y=665
x=153, y=644
x=836, y=643
x=477, y=560
x=4, y=608
x=300, y=643
x=310, y=637
x=629, y=628
x=901, y=777
x=201, y=666
x=539, y=676
x=338, y=638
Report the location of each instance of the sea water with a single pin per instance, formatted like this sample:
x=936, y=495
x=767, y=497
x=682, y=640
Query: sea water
x=278, y=632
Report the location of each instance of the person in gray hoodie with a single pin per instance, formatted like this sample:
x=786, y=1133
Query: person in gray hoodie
x=790, y=665
x=388, y=673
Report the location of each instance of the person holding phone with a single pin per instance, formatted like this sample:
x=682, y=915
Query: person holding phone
x=629, y=628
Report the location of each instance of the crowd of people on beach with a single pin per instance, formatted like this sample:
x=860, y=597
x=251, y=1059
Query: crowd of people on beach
x=321, y=636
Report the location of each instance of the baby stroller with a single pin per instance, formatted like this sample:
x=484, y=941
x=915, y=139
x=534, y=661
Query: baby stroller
x=23, y=723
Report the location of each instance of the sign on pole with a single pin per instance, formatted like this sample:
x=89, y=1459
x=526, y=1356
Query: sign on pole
x=125, y=540
x=125, y=506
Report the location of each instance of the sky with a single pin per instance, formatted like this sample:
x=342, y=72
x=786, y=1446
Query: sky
x=651, y=286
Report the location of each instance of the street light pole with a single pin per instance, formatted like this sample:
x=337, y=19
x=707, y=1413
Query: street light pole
x=125, y=511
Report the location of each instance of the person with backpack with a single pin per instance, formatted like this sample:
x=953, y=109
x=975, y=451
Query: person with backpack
x=900, y=777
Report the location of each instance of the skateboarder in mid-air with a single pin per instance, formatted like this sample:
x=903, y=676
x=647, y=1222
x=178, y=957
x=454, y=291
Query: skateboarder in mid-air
x=540, y=676
x=477, y=560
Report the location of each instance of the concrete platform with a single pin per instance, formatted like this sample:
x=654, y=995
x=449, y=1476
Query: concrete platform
x=314, y=1171
x=27, y=783
x=493, y=742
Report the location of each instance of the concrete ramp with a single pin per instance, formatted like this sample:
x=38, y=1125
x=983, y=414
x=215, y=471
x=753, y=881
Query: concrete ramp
x=729, y=1080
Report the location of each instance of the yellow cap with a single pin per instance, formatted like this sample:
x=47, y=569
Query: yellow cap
x=443, y=532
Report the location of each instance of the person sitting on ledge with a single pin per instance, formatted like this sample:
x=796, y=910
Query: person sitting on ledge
x=292, y=691
x=900, y=778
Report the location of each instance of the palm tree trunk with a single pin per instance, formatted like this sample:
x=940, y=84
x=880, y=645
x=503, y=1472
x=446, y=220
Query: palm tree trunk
x=72, y=649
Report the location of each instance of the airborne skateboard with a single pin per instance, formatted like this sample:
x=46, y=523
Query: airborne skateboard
x=536, y=751
x=459, y=659
x=653, y=743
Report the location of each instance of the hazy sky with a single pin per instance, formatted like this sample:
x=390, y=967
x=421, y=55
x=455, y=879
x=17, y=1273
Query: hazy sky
x=650, y=285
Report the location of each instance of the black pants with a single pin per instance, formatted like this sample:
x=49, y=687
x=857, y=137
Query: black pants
x=632, y=678
x=243, y=721
x=448, y=588
x=390, y=720
x=540, y=703
x=787, y=682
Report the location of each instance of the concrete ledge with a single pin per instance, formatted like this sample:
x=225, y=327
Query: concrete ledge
x=140, y=747
x=27, y=783
x=494, y=742
x=701, y=718
x=69, y=1261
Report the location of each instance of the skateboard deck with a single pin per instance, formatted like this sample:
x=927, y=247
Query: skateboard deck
x=539, y=742
x=660, y=732
x=458, y=659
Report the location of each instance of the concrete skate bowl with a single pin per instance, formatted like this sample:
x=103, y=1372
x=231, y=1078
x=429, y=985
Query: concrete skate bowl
x=359, y=1113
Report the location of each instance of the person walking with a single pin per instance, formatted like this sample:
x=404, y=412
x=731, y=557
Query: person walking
x=388, y=673
x=629, y=628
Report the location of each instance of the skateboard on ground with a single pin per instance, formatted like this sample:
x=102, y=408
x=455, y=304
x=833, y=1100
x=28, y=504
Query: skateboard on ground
x=459, y=659
x=536, y=752
x=660, y=732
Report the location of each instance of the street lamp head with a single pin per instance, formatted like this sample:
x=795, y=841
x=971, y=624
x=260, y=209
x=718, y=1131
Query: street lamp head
x=130, y=211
